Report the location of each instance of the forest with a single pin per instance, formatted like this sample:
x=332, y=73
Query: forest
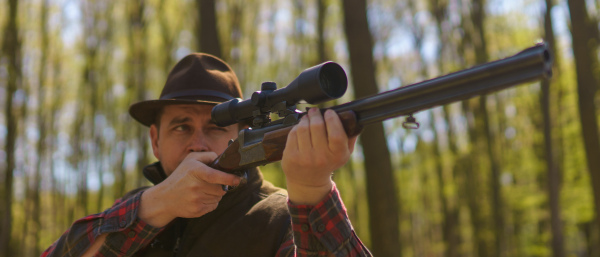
x=513, y=173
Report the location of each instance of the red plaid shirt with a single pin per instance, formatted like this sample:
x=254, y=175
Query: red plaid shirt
x=317, y=230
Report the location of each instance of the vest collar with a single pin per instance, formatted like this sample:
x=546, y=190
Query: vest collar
x=154, y=173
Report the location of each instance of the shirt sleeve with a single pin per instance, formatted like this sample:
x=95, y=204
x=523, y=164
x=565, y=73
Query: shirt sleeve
x=322, y=229
x=127, y=233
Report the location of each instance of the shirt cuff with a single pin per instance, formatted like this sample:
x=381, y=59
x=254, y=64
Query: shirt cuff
x=322, y=228
x=127, y=232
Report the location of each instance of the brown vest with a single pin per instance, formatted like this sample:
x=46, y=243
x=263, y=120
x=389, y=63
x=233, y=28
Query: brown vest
x=251, y=220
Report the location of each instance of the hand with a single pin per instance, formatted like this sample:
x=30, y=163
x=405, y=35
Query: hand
x=316, y=146
x=192, y=190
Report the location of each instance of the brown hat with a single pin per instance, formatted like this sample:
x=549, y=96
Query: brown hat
x=197, y=79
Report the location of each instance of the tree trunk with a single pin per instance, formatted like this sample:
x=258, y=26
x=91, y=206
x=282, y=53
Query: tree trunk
x=136, y=81
x=11, y=50
x=554, y=172
x=82, y=130
x=207, y=32
x=470, y=164
x=236, y=12
x=586, y=64
x=42, y=118
x=321, y=10
x=590, y=237
x=168, y=38
x=321, y=46
x=58, y=202
x=481, y=56
x=450, y=233
x=381, y=189
x=475, y=194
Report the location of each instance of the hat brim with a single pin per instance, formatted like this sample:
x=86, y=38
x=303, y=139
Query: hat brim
x=145, y=112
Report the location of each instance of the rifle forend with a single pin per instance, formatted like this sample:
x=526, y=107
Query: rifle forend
x=265, y=143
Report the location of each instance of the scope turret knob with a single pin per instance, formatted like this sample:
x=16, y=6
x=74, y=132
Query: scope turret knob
x=258, y=99
x=268, y=86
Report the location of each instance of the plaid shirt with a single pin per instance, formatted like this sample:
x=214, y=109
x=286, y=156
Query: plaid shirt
x=317, y=230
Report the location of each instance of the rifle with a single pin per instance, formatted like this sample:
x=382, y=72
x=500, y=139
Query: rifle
x=265, y=140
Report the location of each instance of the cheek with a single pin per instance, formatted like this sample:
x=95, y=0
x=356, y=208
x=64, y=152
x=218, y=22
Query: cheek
x=220, y=143
x=170, y=154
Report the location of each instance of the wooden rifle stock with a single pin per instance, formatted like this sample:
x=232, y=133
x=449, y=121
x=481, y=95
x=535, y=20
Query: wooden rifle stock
x=273, y=144
x=265, y=145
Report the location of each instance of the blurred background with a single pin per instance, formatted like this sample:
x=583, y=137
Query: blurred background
x=516, y=173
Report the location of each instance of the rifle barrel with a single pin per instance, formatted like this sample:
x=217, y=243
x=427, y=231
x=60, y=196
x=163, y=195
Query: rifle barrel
x=528, y=65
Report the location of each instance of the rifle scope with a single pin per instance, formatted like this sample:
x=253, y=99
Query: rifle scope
x=317, y=84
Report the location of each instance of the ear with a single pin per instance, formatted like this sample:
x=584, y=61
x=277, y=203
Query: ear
x=154, y=140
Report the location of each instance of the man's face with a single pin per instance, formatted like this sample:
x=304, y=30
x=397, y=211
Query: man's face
x=187, y=128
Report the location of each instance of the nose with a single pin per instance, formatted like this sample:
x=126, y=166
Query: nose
x=198, y=143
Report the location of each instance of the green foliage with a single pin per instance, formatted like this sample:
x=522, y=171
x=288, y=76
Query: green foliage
x=97, y=51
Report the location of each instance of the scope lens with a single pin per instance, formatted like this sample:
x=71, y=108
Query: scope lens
x=325, y=83
x=333, y=80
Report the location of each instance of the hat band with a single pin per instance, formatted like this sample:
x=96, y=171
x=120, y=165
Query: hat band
x=197, y=92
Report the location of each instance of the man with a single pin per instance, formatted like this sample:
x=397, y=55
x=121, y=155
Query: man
x=188, y=213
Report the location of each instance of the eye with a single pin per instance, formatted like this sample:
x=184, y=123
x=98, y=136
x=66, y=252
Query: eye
x=181, y=128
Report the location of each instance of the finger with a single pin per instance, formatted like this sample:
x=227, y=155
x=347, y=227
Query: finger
x=352, y=143
x=318, y=134
x=208, y=207
x=212, y=177
x=203, y=157
x=303, y=134
x=213, y=190
x=201, y=209
x=210, y=200
x=216, y=177
x=292, y=140
x=336, y=134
